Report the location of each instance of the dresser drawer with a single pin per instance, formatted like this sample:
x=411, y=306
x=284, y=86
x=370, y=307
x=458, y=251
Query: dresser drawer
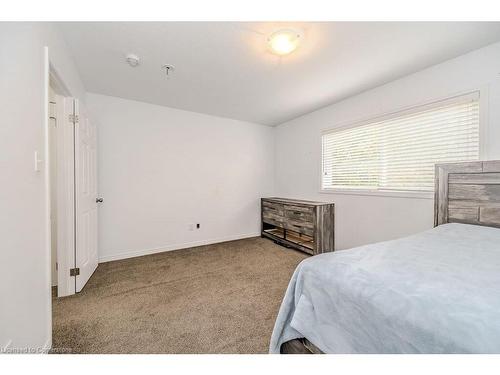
x=272, y=213
x=300, y=227
x=277, y=221
x=298, y=213
x=272, y=207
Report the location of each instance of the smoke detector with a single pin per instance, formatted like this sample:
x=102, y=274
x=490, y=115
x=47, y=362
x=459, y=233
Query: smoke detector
x=132, y=60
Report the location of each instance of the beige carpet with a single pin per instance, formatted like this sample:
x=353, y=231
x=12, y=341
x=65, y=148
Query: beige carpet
x=219, y=298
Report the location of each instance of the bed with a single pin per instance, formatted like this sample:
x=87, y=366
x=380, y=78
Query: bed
x=433, y=292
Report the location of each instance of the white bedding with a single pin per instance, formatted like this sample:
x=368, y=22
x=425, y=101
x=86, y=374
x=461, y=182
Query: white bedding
x=434, y=292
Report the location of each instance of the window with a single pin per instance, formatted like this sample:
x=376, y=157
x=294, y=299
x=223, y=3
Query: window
x=398, y=152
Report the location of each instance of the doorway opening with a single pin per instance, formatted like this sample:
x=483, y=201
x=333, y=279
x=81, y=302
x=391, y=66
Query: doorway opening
x=73, y=197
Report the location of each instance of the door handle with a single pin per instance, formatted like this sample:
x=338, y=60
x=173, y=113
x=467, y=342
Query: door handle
x=99, y=200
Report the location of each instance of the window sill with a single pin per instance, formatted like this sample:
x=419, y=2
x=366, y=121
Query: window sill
x=382, y=193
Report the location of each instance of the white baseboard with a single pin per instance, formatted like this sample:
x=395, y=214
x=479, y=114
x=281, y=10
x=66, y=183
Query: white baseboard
x=137, y=253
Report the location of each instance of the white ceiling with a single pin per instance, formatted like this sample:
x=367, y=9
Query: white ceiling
x=225, y=69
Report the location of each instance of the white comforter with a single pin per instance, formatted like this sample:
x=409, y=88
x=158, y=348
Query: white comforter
x=434, y=292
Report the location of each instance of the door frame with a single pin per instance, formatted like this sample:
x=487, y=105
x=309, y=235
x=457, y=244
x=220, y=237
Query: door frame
x=64, y=183
x=65, y=198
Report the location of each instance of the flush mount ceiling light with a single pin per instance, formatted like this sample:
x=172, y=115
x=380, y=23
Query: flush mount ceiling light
x=132, y=60
x=283, y=42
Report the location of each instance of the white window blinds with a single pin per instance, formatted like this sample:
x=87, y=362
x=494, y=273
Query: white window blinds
x=399, y=152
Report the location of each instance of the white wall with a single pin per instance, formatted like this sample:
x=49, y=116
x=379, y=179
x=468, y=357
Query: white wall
x=364, y=219
x=25, y=311
x=161, y=169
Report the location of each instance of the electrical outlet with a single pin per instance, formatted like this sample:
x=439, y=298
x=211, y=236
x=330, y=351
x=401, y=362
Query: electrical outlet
x=191, y=227
x=197, y=226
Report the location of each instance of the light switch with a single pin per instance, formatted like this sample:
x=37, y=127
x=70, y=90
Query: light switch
x=38, y=161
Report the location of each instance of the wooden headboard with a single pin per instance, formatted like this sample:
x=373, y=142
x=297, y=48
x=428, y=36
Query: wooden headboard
x=468, y=193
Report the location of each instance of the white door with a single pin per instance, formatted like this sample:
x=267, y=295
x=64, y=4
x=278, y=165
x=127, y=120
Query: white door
x=85, y=197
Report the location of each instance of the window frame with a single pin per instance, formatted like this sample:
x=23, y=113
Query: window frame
x=483, y=120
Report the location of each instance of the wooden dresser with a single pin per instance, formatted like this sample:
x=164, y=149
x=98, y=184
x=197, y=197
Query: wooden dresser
x=303, y=225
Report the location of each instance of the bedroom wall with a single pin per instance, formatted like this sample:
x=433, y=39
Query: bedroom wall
x=163, y=169
x=25, y=313
x=362, y=219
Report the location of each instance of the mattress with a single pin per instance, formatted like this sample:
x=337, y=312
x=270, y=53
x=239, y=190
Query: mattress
x=434, y=292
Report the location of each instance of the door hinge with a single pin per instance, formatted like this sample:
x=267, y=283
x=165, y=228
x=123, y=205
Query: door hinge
x=74, y=271
x=73, y=118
